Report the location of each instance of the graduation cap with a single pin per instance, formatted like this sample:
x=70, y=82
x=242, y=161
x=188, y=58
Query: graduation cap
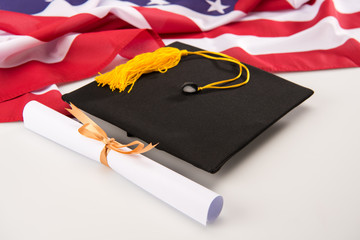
x=206, y=128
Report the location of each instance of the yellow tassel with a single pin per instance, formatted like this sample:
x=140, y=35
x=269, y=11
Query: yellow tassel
x=126, y=74
x=161, y=60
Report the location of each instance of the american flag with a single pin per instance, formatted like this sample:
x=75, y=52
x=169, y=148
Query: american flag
x=45, y=42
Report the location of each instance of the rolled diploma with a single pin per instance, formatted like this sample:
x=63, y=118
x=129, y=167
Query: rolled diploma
x=189, y=197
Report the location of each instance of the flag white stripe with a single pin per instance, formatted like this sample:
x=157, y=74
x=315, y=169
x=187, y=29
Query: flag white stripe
x=305, y=13
x=61, y=8
x=115, y=62
x=98, y=8
x=45, y=52
x=297, y=3
x=45, y=89
x=319, y=37
x=203, y=21
x=16, y=50
x=347, y=6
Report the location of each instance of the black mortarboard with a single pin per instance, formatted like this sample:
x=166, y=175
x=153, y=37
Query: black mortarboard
x=204, y=129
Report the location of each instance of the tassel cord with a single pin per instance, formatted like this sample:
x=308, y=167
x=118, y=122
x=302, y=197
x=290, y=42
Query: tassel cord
x=223, y=57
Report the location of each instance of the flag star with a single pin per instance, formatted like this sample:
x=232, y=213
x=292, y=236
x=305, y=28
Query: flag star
x=216, y=6
x=158, y=2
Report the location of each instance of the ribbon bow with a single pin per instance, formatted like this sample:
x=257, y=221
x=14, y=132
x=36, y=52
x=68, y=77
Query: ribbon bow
x=91, y=130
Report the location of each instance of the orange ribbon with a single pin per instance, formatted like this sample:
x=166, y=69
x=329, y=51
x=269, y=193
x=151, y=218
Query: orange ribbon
x=91, y=130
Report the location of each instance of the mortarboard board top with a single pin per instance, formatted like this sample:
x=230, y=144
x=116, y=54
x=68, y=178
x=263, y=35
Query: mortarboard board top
x=204, y=129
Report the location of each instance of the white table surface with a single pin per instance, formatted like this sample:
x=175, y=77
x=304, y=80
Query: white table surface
x=299, y=180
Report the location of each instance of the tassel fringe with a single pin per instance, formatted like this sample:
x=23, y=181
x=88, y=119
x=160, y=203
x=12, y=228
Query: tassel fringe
x=127, y=74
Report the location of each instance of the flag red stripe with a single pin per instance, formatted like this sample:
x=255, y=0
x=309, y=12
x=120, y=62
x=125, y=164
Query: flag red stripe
x=276, y=5
x=247, y=6
x=265, y=5
x=49, y=28
x=340, y=57
x=11, y=110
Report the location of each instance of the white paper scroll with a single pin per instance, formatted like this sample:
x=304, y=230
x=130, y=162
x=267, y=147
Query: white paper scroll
x=194, y=200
